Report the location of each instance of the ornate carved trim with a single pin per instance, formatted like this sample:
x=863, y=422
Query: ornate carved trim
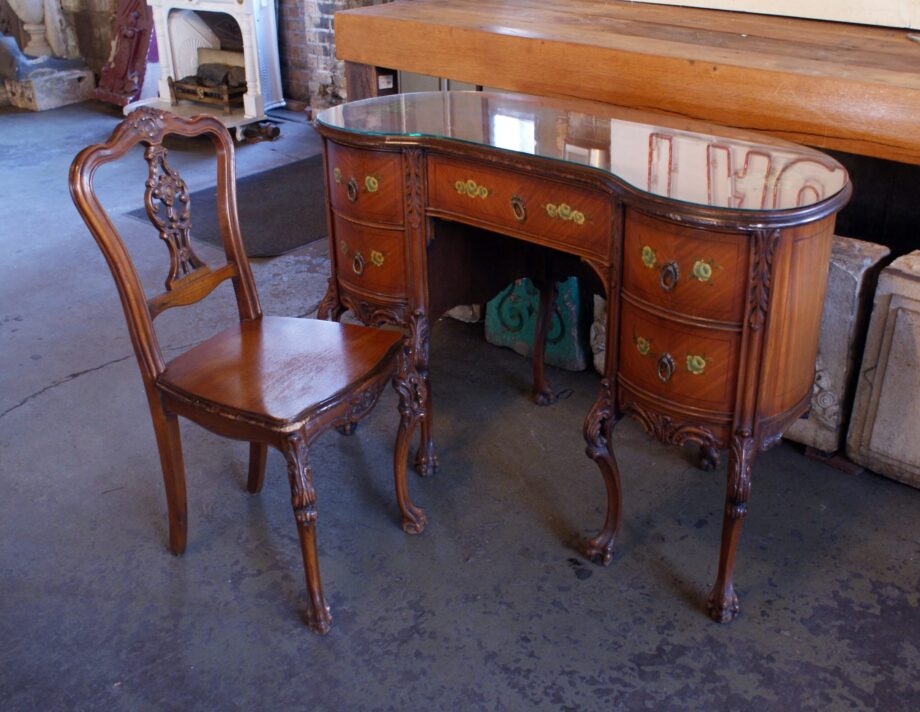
x=667, y=430
x=167, y=190
x=415, y=200
x=596, y=423
x=763, y=245
x=303, y=495
x=739, y=478
x=410, y=385
x=374, y=314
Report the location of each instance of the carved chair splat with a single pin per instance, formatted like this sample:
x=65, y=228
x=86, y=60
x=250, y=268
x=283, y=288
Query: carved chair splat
x=272, y=381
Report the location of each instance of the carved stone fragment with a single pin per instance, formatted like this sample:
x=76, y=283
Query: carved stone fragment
x=851, y=280
x=883, y=426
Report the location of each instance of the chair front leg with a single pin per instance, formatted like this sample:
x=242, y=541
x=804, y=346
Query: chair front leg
x=169, y=443
x=258, y=455
x=412, y=390
x=303, y=500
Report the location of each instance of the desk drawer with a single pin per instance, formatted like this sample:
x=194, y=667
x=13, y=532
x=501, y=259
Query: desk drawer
x=685, y=364
x=365, y=185
x=550, y=210
x=370, y=259
x=685, y=270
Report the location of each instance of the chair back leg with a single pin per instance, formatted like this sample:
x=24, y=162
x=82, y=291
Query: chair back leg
x=303, y=500
x=169, y=443
x=258, y=455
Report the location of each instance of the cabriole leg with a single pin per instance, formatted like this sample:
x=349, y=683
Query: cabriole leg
x=426, y=460
x=303, y=500
x=411, y=389
x=708, y=458
x=598, y=430
x=723, y=602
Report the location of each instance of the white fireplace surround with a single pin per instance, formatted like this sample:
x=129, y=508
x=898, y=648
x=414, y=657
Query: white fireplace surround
x=179, y=37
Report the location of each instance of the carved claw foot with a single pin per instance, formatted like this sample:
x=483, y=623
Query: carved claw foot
x=600, y=550
x=426, y=460
x=320, y=622
x=415, y=522
x=723, y=608
x=348, y=428
x=545, y=397
x=708, y=459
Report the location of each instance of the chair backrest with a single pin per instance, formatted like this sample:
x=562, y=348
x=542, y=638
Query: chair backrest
x=168, y=206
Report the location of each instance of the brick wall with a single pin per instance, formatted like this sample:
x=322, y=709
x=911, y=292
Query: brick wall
x=326, y=74
x=292, y=50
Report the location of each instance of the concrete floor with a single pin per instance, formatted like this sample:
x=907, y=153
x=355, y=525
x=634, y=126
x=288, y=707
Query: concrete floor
x=491, y=608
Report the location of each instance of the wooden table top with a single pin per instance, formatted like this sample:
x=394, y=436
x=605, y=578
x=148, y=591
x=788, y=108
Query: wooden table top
x=831, y=85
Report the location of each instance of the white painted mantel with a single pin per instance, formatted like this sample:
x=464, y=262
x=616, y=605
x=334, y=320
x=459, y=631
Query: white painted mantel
x=259, y=31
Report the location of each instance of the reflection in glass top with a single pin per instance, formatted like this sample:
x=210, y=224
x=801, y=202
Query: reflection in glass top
x=724, y=169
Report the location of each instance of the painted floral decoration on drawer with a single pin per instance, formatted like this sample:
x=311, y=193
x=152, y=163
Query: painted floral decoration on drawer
x=643, y=345
x=703, y=269
x=696, y=364
x=564, y=211
x=649, y=258
x=471, y=189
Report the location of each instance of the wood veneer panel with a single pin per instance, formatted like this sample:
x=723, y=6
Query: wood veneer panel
x=851, y=88
x=800, y=265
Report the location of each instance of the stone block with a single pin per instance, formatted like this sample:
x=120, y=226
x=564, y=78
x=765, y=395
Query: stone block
x=511, y=319
x=48, y=89
x=852, y=277
x=883, y=434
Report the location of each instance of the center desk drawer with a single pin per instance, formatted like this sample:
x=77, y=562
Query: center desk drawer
x=550, y=210
x=365, y=185
x=371, y=259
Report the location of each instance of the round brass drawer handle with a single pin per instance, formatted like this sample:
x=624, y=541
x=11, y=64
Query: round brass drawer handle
x=666, y=367
x=351, y=189
x=357, y=264
x=518, y=208
x=669, y=275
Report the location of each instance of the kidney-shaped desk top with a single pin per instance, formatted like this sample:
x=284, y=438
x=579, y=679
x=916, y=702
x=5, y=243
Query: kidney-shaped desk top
x=711, y=246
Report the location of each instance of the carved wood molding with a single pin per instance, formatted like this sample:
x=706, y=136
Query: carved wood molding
x=763, y=245
x=667, y=430
x=122, y=77
x=374, y=314
x=743, y=446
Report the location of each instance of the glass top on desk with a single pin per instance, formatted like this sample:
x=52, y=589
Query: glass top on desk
x=685, y=161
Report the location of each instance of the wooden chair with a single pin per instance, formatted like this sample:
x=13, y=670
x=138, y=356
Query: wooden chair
x=272, y=381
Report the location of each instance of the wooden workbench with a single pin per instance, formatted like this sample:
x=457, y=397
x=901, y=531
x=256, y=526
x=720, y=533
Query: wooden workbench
x=846, y=87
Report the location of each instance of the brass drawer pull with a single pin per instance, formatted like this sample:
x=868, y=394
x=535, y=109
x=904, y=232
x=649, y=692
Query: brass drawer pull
x=517, y=207
x=666, y=367
x=351, y=189
x=357, y=264
x=669, y=275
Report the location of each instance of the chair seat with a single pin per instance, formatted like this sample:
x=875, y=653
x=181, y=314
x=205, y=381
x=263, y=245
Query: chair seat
x=279, y=370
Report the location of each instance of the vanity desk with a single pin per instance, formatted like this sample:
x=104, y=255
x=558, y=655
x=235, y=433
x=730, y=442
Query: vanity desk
x=711, y=247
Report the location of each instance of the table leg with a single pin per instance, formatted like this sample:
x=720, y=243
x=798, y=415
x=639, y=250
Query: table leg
x=723, y=601
x=542, y=390
x=598, y=430
x=426, y=460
